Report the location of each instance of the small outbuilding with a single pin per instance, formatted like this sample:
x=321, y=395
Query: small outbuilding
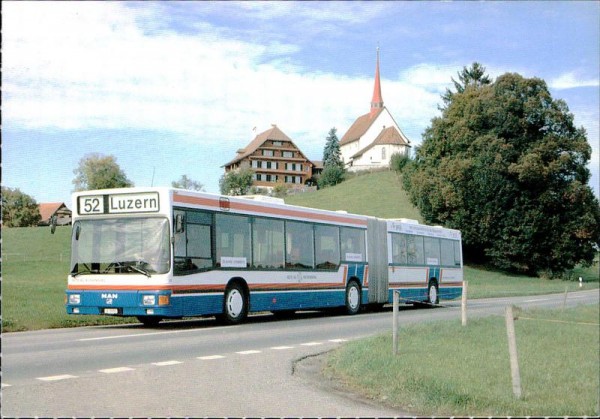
x=51, y=209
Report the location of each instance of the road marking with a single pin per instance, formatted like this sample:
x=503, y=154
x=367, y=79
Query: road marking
x=250, y=352
x=311, y=343
x=338, y=340
x=536, y=299
x=135, y=335
x=5, y=385
x=166, y=363
x=56, y=377
x=281, y=348
x=116, y=370
x=209, y=357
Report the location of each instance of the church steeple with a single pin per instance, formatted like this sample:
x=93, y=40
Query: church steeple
x=377, y=101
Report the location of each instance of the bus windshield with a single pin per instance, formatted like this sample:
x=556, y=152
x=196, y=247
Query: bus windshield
x=120, y=246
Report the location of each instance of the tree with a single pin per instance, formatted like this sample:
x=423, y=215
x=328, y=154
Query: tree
x=236, y=182
x=506, y=165
x=19, y=209
x=474, y=76
x=185, y=182
x=97, y=171
x=332, y=156
x=333, y=166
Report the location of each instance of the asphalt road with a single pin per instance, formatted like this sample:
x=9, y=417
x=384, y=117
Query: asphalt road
x=197, y=368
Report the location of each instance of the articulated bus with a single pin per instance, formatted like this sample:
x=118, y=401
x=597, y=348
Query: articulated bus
x=160, y=253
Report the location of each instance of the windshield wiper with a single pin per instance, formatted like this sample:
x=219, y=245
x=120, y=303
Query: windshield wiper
x=139, y=270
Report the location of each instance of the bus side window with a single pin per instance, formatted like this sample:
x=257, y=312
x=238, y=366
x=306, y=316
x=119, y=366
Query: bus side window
x=300, y=242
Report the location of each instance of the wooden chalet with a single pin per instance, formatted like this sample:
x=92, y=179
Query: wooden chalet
x=274, y=158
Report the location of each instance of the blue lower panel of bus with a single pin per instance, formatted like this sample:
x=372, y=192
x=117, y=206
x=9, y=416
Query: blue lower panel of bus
x=420, y=294
x=131, y=303
x=120, y=303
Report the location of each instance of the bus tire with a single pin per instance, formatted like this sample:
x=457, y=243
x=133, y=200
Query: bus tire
x=353, y=298
x=235, y=304
x=433, y=295
x=149, y=321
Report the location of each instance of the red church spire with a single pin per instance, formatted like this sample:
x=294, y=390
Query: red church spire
x=377, y=101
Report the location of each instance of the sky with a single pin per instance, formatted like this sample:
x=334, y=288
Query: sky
x=174, y=88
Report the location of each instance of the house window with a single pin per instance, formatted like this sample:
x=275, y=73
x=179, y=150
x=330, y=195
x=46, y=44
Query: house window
x=383, y=153
x=268, y=153
x=277, y=143
x=288, y=154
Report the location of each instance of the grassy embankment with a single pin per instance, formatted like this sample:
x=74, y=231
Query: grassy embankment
x=35, y=263
x=444, y=369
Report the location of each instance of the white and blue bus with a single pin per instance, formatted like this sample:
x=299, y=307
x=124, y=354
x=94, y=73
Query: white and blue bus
x=160, y=253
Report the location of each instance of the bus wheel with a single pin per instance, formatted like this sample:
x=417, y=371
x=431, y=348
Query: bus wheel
x=432, y=293
x=149, y=321
x=235, y=306
x=352, y=298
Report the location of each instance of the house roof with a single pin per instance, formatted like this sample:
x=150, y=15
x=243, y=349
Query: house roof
x=271, y=134
x=48, y=209
x=359, y=127
x=387, y=136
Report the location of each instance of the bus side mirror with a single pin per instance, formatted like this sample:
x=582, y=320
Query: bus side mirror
x=53, y=222
x=179, y=228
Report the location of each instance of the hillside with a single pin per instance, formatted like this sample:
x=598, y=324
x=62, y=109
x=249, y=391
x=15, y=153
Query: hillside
x=379, y=194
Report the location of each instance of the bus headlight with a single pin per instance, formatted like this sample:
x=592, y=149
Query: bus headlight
x=149, y=300
x=74, y=299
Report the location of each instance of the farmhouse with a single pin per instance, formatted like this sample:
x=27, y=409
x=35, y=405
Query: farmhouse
x=373, y=137
x=275, y=159
x=51, y=209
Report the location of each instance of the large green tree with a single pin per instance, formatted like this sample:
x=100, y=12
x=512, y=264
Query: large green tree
x=19, y=209
x=236, y=182
x=506, y=165
x=97, y=171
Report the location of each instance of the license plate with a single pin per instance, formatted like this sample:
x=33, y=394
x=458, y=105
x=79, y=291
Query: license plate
x=111, y=311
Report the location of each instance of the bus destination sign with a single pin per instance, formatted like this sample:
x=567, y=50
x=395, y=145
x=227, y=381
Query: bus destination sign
x=118, y=203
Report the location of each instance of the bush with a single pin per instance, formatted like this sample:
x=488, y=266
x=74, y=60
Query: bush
x=332, y=175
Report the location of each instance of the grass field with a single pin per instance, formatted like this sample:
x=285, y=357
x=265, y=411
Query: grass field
x=35, y=263
x=445, y=369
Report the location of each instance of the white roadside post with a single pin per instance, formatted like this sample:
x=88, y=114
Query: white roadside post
x=512, y=350
x=463, y=304
x=396, y=302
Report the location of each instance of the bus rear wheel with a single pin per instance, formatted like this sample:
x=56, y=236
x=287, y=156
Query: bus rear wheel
x=353, y=298
x=433, y=296
x=235, y=305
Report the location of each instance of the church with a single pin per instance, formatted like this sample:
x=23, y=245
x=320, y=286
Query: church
x=373, y=137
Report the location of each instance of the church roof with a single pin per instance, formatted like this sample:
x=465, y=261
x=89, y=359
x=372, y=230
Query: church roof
x=387, y=136
x=359, y=127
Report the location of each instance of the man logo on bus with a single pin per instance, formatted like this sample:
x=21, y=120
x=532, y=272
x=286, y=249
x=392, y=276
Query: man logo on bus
x=108, y=297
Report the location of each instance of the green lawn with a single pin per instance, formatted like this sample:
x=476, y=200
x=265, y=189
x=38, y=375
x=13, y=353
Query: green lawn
x=378, y=194
x=445, y=369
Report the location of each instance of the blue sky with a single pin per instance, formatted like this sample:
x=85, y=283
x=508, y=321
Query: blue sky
x=173, y=88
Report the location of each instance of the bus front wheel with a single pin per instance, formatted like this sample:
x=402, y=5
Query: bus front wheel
x=235, y=305
x=353, y=298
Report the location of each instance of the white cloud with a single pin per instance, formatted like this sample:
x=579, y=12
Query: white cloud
x=90, y=66
x=571, y=80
